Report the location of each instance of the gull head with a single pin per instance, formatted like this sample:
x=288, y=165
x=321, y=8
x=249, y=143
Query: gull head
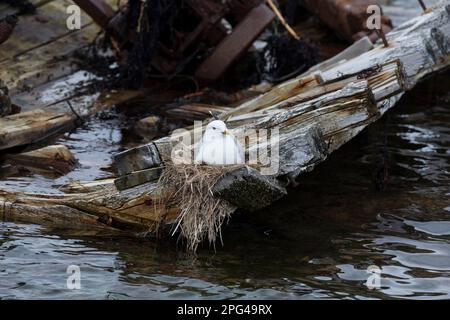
x=216, y=129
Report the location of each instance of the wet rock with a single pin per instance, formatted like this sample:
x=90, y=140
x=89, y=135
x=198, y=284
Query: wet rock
x=148, y=125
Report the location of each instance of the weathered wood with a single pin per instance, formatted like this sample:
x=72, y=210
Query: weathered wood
x=421, y=44
x=30, y=127
x=359, y=47
x=135, y=210
x=137, y=159
x=87, y=186
x=301, y=151
x=40, y=124
x=386, y=81
x=43, y=79
x=136, y=178
x=314, y=123
x=55, y=158
x=306, y=104
x=195, y=111
x=34, y=68
x=32, y=32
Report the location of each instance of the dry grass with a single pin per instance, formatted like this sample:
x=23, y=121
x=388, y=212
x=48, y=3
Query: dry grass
x=202, y=214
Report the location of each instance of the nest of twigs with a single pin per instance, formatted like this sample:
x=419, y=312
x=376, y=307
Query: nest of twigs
x=202, y=214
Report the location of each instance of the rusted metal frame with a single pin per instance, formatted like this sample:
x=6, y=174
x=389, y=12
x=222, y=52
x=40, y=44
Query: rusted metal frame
x=226, y=52
x=243, y=35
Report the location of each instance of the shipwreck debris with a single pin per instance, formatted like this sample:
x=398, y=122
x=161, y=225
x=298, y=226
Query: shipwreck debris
x=316, y=113
x=55, y=159
x=347, y=18
x=170, y=37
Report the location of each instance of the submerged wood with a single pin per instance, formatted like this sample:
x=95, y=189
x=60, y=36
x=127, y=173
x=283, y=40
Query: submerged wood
x=56, y=159
x=316, y=113
x=36, y=125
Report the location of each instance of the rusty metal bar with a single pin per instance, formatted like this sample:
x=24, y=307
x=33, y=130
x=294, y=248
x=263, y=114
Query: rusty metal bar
x=235, y=43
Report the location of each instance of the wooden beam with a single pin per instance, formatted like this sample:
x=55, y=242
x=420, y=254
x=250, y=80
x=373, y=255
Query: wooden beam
x=137, y=178
x=55, y=158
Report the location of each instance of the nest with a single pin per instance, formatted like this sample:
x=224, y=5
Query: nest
x=202, y=215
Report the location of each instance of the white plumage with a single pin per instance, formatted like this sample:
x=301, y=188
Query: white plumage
x=219, y=147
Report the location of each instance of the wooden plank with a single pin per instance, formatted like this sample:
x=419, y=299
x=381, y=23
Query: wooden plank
x=42, y=65
x=55, y=91
x=44, y=27
x=87, y=186
x=419, y=50
x=135, y=210
x=195, y=111
x=56, y=159
x=39, y=124
x=361, y=46
x=137, y=178
x=300, y=150
x=137, y=159
x=31, y=127
x=37, y=30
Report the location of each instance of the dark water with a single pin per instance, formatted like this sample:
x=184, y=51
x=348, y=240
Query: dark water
x=383, y=200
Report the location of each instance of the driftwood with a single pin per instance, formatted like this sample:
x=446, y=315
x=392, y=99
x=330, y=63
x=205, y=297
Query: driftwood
x=56, y=159
x=36, y=125
x=316, y=113
x=38, y=66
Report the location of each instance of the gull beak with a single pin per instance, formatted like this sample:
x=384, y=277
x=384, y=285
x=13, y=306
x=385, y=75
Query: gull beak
x=227, y=133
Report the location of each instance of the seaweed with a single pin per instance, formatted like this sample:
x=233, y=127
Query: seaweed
x=287, y=57
x=24, y=6
x=202, y=215
x=150, y=21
